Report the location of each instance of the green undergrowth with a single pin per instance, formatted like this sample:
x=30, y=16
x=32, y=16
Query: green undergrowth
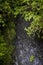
x=7, y=32
x=5, y=52
x=9, y=10
x=36, y=14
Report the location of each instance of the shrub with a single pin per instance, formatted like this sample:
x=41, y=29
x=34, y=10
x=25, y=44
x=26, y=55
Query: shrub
x=35, y=13
x=5, y=52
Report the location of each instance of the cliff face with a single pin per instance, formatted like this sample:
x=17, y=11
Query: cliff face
x=28, y=51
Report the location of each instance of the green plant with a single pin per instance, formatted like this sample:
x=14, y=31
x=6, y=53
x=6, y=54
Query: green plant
x=5, y=52
x=7, y=31
x=32, y=57
x=35, y=13
x=9, y=10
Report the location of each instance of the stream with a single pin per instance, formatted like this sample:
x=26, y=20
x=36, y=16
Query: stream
x=25, y=47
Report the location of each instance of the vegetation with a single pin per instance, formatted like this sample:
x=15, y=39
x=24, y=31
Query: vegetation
x=32, y=57
x=9, y=10
x=7, y=32
x=36, y=14
x=5, y=52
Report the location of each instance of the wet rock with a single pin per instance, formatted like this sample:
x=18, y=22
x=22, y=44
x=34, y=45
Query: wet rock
x=25, y=47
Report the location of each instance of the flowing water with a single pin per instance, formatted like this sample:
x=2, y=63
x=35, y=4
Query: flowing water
x=25, y=47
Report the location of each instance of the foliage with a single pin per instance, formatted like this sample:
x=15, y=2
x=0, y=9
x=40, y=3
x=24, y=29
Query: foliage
x=7, y=21
x=9, y=10
x=7, y=32
x=10, y=33
x=5, y=52
x=36, y=14
x=32, y=57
